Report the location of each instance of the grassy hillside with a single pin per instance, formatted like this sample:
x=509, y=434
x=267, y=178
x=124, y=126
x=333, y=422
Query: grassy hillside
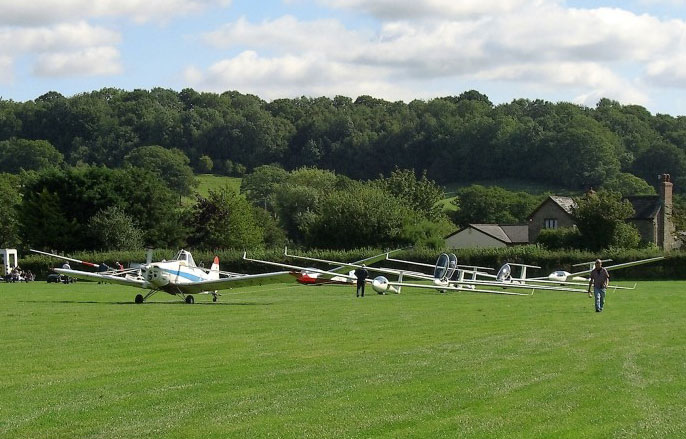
x=213, y=182
x=512, y=185
x=315, y=362
x=506, y=183
x=207, y=182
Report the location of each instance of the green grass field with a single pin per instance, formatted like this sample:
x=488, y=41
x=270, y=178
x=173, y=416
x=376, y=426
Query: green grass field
x=287, y=361
x=207, y=182
x=511, y=184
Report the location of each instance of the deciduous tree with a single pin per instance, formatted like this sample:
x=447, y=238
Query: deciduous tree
x=600, y=217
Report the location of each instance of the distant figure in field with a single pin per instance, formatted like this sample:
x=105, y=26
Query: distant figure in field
x=361, y=274
x=600, y=279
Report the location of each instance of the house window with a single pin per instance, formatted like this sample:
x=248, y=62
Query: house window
x=550, y=223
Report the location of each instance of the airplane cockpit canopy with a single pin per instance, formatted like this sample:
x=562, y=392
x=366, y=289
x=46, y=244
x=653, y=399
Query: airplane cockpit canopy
x=185, y=256
x=504, y=273
x=452, y=265
x=442, y=265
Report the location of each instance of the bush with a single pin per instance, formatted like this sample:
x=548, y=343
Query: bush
x=557, y=239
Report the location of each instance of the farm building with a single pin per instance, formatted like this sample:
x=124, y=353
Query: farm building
x=488, y=235
x=652, y=218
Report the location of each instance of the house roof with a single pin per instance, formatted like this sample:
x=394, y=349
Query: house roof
x=518, y=233
x=507, y=233
x=646, y=206
x=564, y=203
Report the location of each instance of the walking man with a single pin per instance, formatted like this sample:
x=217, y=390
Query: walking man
x=361, y=274
x=600, y=278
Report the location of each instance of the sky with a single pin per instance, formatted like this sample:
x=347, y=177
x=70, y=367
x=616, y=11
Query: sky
x=631, y=51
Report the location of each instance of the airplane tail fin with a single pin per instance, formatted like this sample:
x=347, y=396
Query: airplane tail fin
x=214, y=270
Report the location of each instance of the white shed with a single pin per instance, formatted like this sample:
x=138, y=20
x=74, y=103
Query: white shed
x=8, y=260
x=488, y=236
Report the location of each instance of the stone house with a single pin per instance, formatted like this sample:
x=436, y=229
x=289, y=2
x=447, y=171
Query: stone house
x=652, y=218
x=554, y=212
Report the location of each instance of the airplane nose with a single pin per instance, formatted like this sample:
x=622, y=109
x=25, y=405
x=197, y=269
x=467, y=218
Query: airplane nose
x=440, y=283
x=381, y=286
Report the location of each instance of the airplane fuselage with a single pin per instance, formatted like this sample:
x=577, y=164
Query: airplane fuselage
x=312, y=278
x=166, y=275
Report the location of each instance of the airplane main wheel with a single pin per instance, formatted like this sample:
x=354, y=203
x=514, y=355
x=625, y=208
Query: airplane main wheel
x=214, y=298
x=189, y=300
x=139, y=298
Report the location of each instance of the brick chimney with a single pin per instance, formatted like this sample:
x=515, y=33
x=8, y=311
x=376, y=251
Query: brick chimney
x=665, y=227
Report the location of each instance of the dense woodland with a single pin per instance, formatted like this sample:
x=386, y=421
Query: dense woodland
x=117, y=163
x=461, y=138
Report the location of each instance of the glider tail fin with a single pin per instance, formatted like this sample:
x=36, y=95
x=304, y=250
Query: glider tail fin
x=214, y=270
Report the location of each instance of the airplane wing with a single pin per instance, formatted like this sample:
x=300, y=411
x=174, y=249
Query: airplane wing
x=100, y=277
x=624, y=265
x=413, y=274
x=432, y=266
x=298, y=268
x=524, y=285
x=462, y=290
x=612, y=267
x=343, y=268
x=538, y=283
x=234, y=282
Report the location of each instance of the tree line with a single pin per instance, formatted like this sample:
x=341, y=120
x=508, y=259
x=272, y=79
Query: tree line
x=98, y=208
x=110, y=169
x=102, y=209
x=455, y=138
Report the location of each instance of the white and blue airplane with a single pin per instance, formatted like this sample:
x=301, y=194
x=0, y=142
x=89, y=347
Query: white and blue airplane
x=179, y=276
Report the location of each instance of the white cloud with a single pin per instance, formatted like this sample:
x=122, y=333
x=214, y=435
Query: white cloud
x=60, y=37
x=664, y=2
x=291, y=76
x=288, y=34
x=6, y=70
x=413, y=9
x=668, y=72
x=78, y=49
x=87, y=62
x=558, y=35
x=540, y=43
x=40, y=12
x=248, y=69
x=57, y=36
x=597, y=81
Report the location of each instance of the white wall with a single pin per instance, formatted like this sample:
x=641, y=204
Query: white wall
x=472, y=238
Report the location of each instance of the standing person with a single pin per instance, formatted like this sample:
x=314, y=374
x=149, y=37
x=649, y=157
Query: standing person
x=361, y=274
x=600, y=278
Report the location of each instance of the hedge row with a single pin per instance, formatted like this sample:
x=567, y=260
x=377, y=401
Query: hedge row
x=673, y=267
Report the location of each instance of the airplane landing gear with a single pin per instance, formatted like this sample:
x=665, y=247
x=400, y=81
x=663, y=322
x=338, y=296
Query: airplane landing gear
x=140, y=298
x=190, y=300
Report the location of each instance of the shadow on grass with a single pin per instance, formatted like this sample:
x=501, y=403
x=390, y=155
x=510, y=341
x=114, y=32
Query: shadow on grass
x=83, y=302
